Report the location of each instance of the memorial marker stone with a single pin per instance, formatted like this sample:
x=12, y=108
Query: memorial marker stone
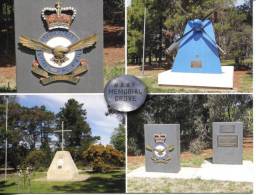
x=162, y=148
x=62, y=168
x=227, y=142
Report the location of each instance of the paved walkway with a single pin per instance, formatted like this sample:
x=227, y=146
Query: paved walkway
x=207, y=171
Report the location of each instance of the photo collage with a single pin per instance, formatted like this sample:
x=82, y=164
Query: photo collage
x=127, y=97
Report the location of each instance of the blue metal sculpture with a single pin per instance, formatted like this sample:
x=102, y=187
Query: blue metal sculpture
x=197, y=49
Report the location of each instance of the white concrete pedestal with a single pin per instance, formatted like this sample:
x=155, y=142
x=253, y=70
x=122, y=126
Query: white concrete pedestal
x=207, y=171
x=62, y=167
x=223, y=80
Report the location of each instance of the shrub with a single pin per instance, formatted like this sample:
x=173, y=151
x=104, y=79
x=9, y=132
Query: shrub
x=196, y=146
x=101, y=167
x=104, y=158
x=38, y=159
x=113, y=72
x=133, y=148
x=75, y=153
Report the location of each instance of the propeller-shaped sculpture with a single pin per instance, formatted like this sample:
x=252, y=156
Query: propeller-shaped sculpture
x=197, y=26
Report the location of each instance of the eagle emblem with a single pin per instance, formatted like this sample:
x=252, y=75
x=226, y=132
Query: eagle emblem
x=160, y=151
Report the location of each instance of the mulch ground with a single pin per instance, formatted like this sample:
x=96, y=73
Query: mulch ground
x=238, y=76
x=114, y=52
x=113, y=35
x=8, y=77
x=113, y=56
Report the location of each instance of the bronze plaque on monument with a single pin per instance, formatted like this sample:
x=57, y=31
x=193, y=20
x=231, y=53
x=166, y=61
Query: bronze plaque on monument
x=227, y=129
x=227, y=141
x=196, y=64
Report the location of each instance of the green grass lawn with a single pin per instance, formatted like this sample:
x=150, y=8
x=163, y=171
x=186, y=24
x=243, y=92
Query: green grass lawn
x=111, y=72
x=97, y=183
x=194, y=161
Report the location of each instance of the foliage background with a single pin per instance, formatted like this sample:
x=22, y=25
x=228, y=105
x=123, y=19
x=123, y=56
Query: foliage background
x=195, y=114
x=233, y=26
x=32, y=140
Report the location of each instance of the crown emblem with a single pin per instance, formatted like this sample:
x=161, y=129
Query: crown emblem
x=160, y=138
x=59, y=17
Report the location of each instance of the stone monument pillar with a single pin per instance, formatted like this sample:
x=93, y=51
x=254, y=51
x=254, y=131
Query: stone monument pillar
x=227, y=142
x=162, y=148
x=62, y=167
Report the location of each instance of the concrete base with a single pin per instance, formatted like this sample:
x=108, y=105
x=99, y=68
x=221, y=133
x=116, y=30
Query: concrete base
x=224, y=172
x=223, y=80
x=62, y=168
x=208, y=171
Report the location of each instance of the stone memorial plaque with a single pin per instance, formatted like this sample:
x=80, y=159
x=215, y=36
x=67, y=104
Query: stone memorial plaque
x=162, y=148
x=227, y=128
x=59, y=46
x=227, y=142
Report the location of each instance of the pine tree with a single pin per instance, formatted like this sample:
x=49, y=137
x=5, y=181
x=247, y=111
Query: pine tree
x=74, y=117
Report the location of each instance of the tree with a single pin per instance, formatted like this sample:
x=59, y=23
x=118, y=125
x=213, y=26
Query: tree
x=231, y=108
x=74, y=117
x=25, y=132
x=112, y=7
x=155, y=18
x=118, y=138
x=29, y=121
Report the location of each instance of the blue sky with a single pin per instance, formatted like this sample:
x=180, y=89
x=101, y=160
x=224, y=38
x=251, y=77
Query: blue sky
x=95, y=105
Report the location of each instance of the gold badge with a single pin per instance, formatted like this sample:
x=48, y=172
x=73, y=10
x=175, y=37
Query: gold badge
x=160, y=151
